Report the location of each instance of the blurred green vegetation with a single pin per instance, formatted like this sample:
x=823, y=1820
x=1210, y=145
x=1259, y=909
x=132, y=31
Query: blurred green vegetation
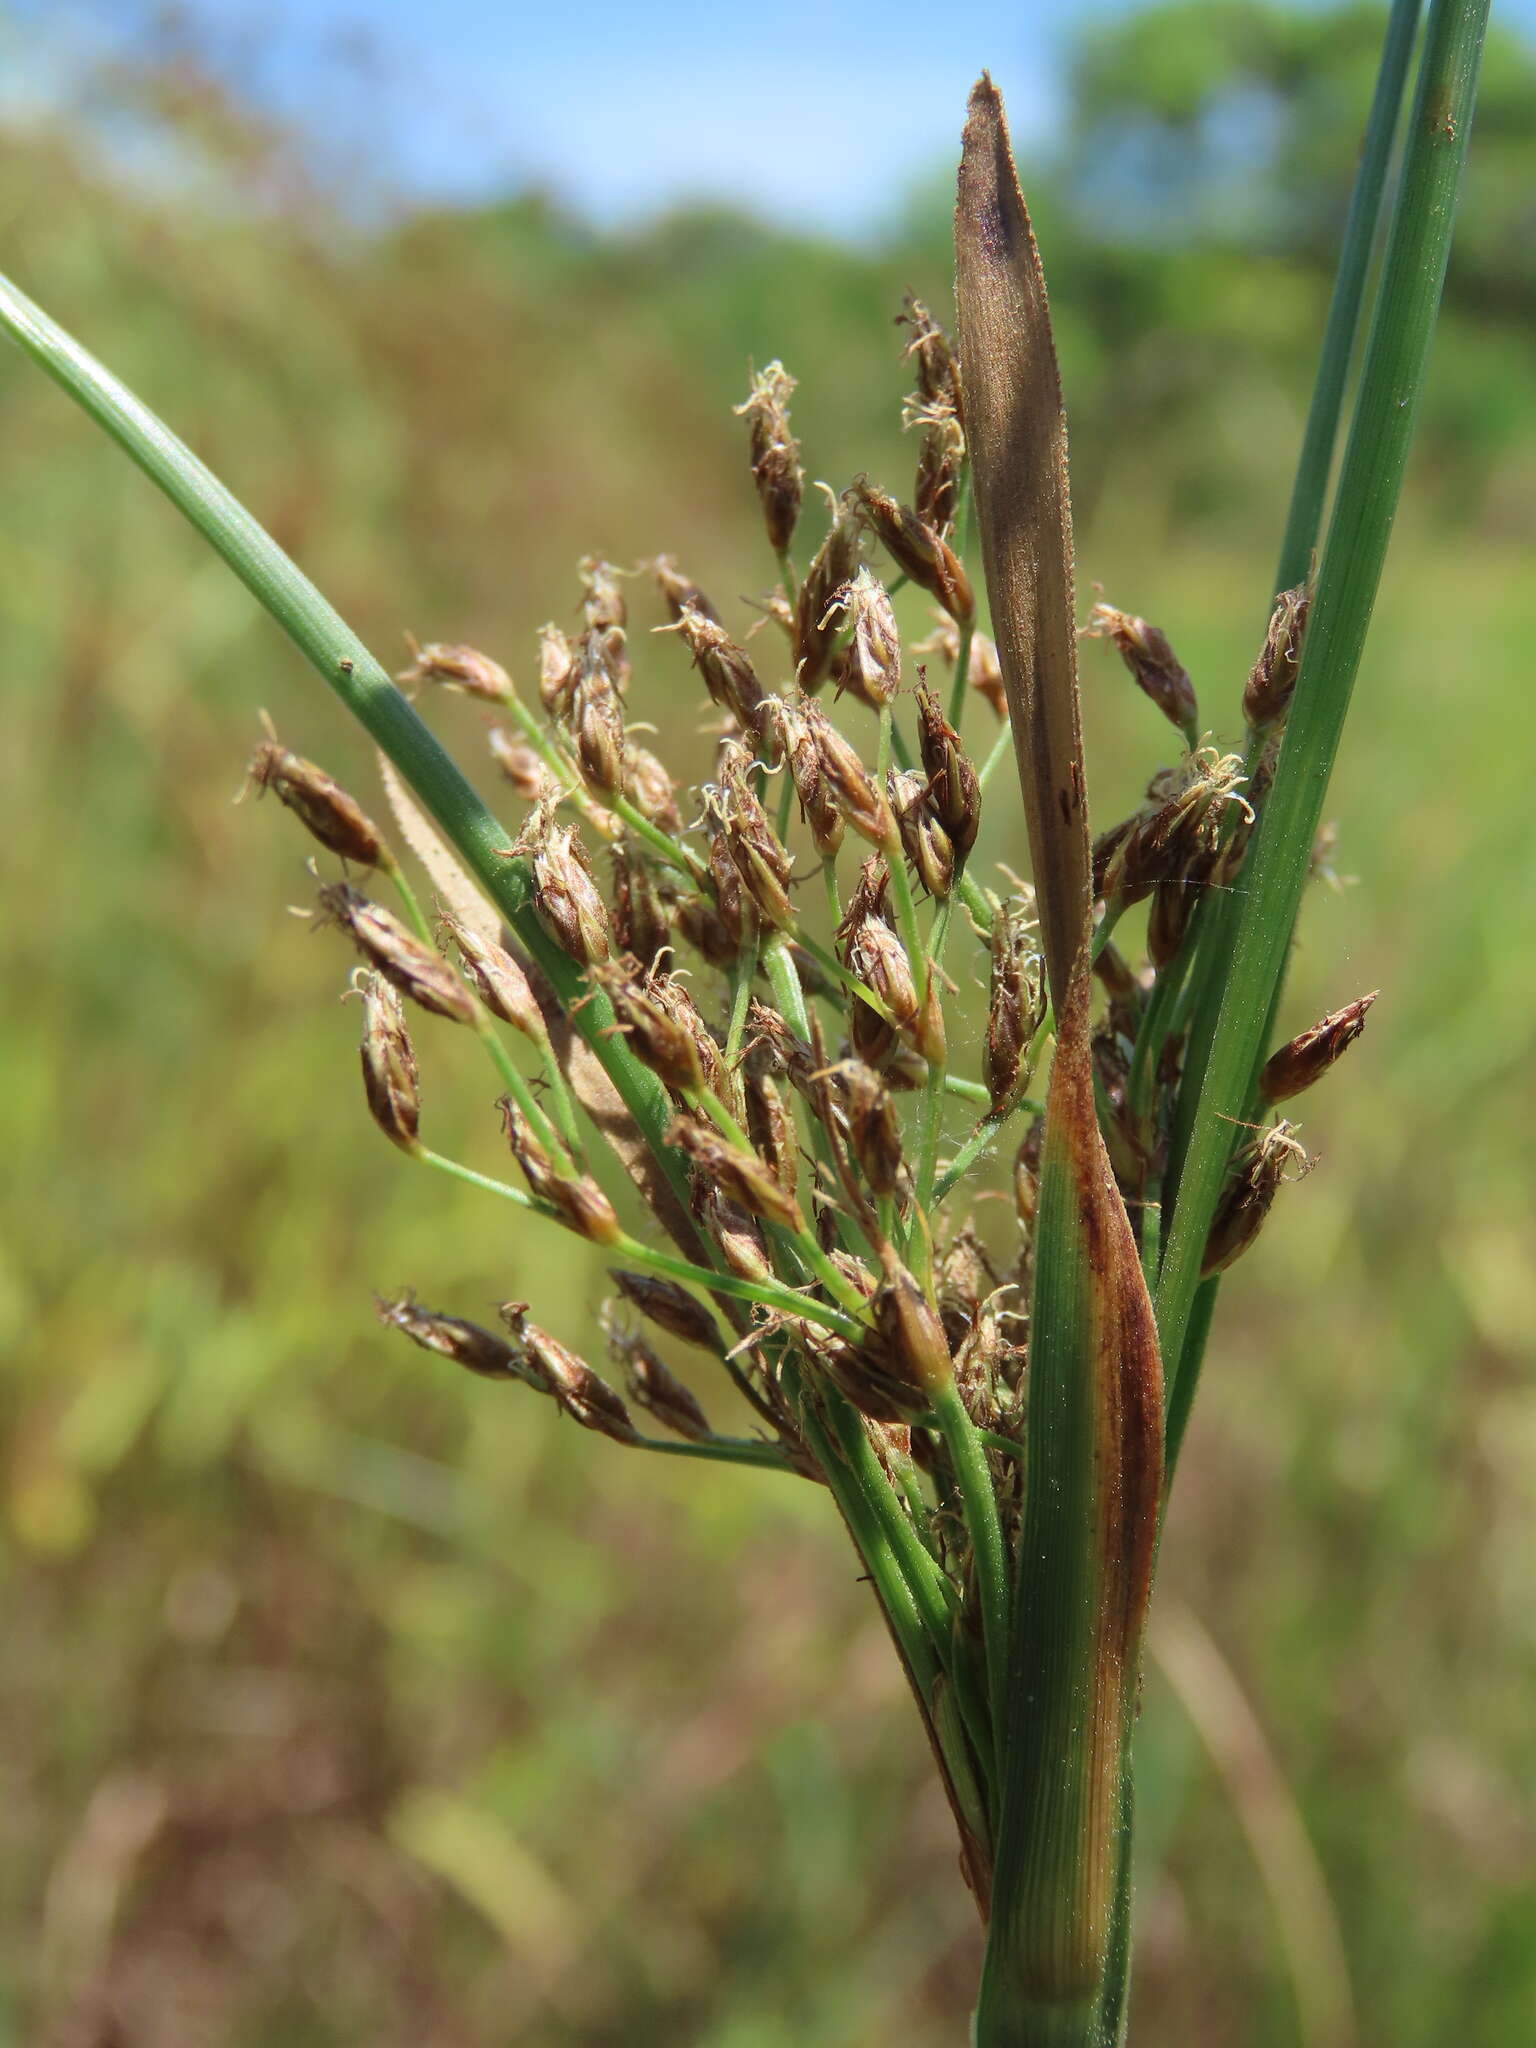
x=345, y=1699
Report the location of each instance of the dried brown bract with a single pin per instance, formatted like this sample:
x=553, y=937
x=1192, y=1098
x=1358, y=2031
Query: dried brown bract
x=760, y=859
x=873, y=1127
x=913, y=1334
x=641, y=921
x=594, y=715
x=795, y=732
x=940, y=463
x=932, y=356
x=656, y=1389
x=928, y=846
x=664, y=1028
x=522, y=765
x=875, y=956
x=849, y=783
x=557, y=670
x=583, y=1394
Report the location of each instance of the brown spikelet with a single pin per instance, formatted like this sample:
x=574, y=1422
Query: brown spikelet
x=389, y=1064
x=1308, y=1056
x=457, y=668
x=320, y=803
x=775, y=453
x=398, y=954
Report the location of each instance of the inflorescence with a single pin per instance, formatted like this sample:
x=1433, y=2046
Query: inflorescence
x=794, y=949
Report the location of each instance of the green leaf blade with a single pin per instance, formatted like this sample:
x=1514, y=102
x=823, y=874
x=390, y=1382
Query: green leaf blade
x=1392, y=383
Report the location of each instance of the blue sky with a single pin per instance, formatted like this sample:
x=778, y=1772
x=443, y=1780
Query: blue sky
x=819, y=112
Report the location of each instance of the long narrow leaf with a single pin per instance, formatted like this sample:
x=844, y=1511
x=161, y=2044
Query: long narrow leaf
x=320, y=633
x=1216, y=917
x=1392, y=383
x=1017, y=435
x=1095, y=1433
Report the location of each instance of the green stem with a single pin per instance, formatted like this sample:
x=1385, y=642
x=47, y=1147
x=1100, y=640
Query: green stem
x=1001, y=748
x=905, y=1579
x=364, y=688
x=1211, y=939
x=1366, y=502
x=830, y=965
x=411, y=903
x=829, y=886
x=568, y=1139
x=630, y=1251
x=986, y=1133
x=910, y=1587
x=969, y=890
x=962, y=673
x=815, y=1260
x=560, y=1096
x=721, y=1450
x=559, y=763
x=907, y=927
x=1196, y=1335
x=989, y=1556
x=517, y=1087
x=1152, y=1033
x=957, y=688
x=786, y=803
x=915, y=1563
x=672, y=851
x=1305, y=517
x=742, y=976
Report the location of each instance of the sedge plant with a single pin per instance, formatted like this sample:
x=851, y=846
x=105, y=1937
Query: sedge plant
x=730, y=1025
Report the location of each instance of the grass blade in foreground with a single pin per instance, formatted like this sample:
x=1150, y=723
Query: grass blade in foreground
x=1216, y=917
x=1391, y=385
x=342, y=660
x=1304, y=519
x=1094, y=1414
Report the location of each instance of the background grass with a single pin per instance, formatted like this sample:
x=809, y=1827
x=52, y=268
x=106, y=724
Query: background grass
x=346, y=1699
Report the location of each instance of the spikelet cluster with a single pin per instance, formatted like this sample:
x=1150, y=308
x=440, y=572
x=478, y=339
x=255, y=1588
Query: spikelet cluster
x=806, y=948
